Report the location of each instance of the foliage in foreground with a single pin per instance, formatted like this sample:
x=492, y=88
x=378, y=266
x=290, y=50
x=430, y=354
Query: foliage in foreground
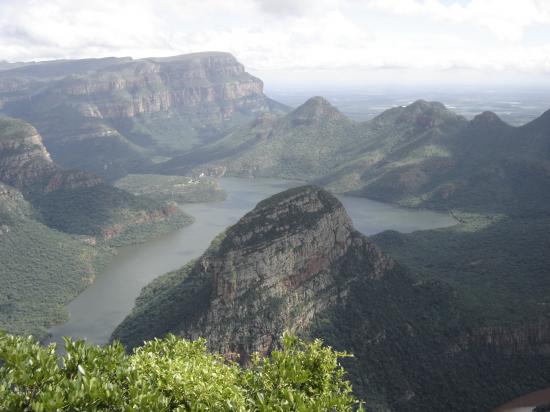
x=169, y=374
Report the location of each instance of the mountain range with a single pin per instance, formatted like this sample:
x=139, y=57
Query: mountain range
x=448, y=319
x=111, y=115
x=421, y=155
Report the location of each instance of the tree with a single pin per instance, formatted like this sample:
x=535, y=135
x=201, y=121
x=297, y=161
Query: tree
x=169, y=374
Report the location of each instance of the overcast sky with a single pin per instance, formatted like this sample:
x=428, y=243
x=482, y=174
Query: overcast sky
x=340, y=42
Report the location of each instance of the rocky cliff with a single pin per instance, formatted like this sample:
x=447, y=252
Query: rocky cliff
x=191, y=82
x=280, y=265
x=114, y=115
x=23, y=158
x=296, y=263
x=71, y=200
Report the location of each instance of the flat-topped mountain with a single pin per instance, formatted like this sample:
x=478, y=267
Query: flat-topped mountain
x=111, y=115
x=296, y=263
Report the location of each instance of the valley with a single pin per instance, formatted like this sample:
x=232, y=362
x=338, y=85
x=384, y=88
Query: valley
x=96, y=312
x=171, y=195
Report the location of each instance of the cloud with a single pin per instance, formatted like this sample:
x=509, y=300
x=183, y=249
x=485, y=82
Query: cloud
x=298, y=8
x=506, y=19
x=287, y=35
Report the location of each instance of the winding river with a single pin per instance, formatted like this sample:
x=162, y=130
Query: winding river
x=96, y=312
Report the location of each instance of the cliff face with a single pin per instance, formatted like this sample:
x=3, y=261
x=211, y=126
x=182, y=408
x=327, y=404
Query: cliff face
x=530, y=338
x=154, y=85
x=23, y=158
x=113, y=118
x=283, y=263
x=71, y=200
x=296, y=263
x=26, y=164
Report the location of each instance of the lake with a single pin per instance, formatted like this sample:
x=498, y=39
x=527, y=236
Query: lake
x=96, y=312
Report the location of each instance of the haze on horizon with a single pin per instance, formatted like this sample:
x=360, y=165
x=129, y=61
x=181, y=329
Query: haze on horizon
x=306, y=43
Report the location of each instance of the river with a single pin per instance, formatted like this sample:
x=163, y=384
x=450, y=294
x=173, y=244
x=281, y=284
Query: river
x=96, y=312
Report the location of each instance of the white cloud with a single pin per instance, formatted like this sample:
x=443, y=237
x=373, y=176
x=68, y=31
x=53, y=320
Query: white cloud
x=487, y=35
x=507, y=19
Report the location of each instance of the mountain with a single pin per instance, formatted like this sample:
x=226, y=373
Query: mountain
x=303, y=144
x=295, y=262
x=112, y=115
x=74, y=201
x=420, y=155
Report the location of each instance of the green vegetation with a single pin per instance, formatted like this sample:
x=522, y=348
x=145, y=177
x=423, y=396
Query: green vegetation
x=179, y=189
x=499, y=265
x=42, y=269
x=58, y=228
x=158, y=107
x=304, y=144
x=171, y=374
x=94, y=211
x=421, y=155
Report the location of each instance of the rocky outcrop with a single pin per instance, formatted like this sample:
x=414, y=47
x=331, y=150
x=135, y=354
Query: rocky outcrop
x=74, y=201
x=153, y=85
x=26, y=164
x=112, y=119
x=282, y=264
x=23, y=158
x=296, y=263
x=278, y=267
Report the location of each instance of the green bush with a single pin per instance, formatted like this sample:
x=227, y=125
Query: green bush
x=169, y=374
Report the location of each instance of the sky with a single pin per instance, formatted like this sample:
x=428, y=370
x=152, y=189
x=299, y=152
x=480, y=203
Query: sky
x=346, y=43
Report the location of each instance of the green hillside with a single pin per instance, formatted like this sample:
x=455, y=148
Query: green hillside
x=42, y=269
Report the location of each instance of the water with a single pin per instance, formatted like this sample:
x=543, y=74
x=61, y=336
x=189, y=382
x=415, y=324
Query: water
x=96, y=312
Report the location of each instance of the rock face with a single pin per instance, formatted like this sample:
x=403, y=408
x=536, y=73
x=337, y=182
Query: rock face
x=296, y=263
x=73, y=201
x=23, y=158
x=112, y=116
x=282, y=264
x=185, y=82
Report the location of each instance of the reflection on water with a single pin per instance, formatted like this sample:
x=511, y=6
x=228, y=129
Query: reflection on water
x=101, y=307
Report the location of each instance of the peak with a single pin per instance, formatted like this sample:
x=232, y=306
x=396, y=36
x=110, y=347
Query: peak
x=423, y=105
x=487, y=119
x=292, y=211
x=315, y=109
x=317, y=101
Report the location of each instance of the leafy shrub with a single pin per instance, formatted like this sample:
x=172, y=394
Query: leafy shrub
x=169, y=374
